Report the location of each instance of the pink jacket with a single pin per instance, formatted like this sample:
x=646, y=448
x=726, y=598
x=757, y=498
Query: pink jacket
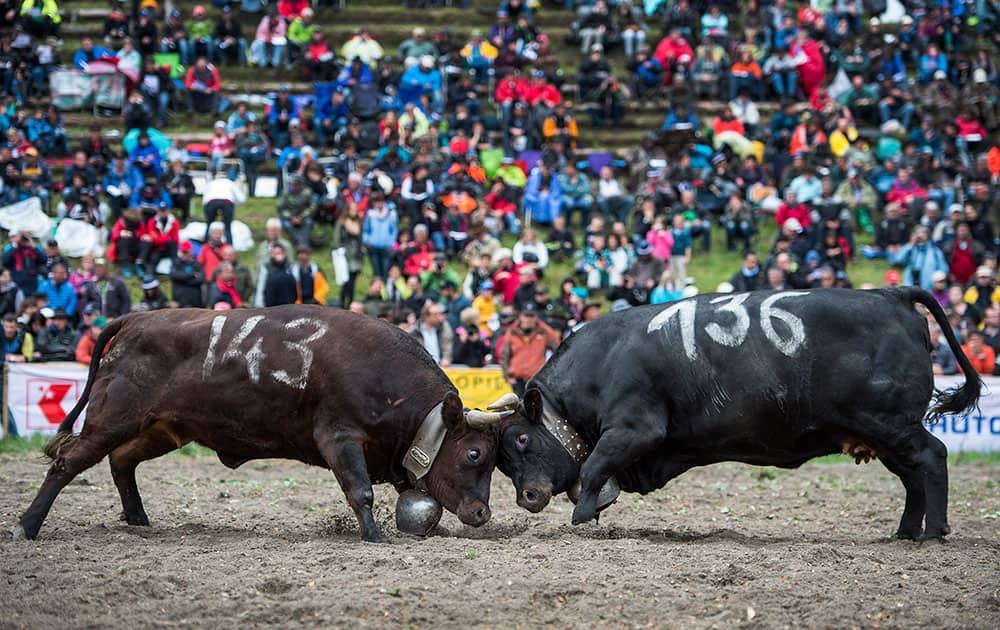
x=662, y=243
x=264, y=32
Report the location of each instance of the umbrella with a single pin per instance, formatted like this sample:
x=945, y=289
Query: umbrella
x=159, y=140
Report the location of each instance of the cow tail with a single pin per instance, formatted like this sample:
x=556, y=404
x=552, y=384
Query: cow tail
x=64, y=434
x=957, y=399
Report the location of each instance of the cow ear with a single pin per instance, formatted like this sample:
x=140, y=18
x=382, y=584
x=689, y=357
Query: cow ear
x=533, y=404
x=452, y=411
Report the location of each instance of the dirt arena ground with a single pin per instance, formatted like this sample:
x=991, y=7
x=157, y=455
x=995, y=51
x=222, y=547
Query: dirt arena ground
x=274, y=543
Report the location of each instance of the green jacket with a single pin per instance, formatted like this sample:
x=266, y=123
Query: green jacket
x=299, y=32
x=432, y=281
x=48, y=8
x=200, y=29
x=300, y=204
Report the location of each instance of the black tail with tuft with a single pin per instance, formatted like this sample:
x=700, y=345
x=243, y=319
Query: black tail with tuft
x=64, y=434
x=957, y=399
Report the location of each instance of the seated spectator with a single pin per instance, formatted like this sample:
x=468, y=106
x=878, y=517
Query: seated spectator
x=780, y=73
x=85, y=347
x=270, y=40
x=943, y=362
x=674, y=54
x=146, y=33
x=228, y=38
x=199, y=31
x=631, y=27
x=56, y=341
x=479, y=55
x=611, y=196
x=138, y=112
x=159, y=239
x=647, y=73
x=562, y=124
x=18, y=344
x=412, y=49
x=749, y=277
x=300, y=33
x=157, y=89
x=364, y=47
x=220, y=146
x=174, y=38
x=223, y=288
x=420, y=81
x=542, y=195
x=738, y=221
x=41, y=18
x=745, y=74
x=963, y=254
x=597, y=263
x=680, y=118
x=920, y=258
x=201, y=88
x=187, y=278
x=531, y=252
x=58, y=291
x=153, y=298
x=595, y=27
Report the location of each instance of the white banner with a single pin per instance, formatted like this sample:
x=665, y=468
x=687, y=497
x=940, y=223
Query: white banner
x=39, y=395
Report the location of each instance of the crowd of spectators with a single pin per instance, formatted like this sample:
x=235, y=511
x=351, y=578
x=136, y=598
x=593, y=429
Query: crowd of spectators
x=417, y=157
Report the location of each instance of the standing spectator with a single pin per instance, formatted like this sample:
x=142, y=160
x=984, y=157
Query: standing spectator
x=576, y=194
x=381, y=227
x=25, y=260
x=524, y=348
x=221, y=197
x=272, y=237
x=107, y=294
x=18, y=344
x=11, y=295
x=920, y=258
x=85, y=347
x=982, y=356
x=41, y=18
x=56, y=340
x=297, y=209
x=436, y=334
x=347, y=234
x=277, y=285
x=542, y=195
x=311, y=284
x=242, y=275
x=223, y=288
x=187, y=278
x=201, y=88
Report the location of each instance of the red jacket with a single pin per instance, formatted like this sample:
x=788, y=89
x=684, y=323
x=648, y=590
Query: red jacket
x=786, y=212
x=211, y=78
x=546, y=92
x=511, y=90
x=291, y=9
x=170, y=233
x=668, y=50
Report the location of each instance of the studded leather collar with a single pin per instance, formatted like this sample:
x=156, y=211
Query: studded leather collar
x=425, y=446
x=567, y=435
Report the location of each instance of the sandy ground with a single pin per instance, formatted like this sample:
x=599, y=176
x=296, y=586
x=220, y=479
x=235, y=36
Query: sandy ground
x=274, y=543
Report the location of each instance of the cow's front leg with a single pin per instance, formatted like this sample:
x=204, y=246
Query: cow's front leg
x=346, y=458
x=616, y=449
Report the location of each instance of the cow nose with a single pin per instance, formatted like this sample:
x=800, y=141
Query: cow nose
x=533, y=499
x=477, y=516
x=530, y=496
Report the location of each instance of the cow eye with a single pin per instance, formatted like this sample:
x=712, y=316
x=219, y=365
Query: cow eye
x=474, y=455
x=522, y=440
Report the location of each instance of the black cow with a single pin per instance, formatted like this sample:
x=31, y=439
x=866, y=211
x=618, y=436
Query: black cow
x=325, y=387
x=766, y=378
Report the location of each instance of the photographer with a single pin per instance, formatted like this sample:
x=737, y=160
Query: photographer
x=25, y=260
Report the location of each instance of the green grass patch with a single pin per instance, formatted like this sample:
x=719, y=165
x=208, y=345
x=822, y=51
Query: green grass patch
x=33, y=444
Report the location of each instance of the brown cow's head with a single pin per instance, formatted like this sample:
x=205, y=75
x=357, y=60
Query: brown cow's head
x=460, y=477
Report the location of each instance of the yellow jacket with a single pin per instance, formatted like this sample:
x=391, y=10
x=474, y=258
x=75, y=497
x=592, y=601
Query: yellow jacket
x=840, y=142
x=972, y=295
x=320, y=286
x=486, y=50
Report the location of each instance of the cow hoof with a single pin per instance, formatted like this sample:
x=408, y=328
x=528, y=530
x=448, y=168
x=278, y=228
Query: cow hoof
x=377, y=539
x=581, y=516
x=901, y=535
x=17, y=533
x=138, y=520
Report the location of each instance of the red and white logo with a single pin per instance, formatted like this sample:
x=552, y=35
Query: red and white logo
x=49, y=400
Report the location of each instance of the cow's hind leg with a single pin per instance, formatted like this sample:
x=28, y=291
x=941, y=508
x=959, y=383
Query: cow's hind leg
x=636, y=429
x=150, y=444
x=346, y=458
x=921, y=462
x=76, y=457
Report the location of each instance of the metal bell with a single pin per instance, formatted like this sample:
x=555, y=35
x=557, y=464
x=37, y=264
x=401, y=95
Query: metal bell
x=417, y=513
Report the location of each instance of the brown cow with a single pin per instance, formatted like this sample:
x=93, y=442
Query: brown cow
x=325, y=387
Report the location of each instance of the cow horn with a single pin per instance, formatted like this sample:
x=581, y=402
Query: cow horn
x=507, y=401
x=482, y=419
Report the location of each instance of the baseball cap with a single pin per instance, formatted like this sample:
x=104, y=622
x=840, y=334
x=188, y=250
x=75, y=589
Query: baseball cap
x=59, y=313
x=149, y=282
x=644, y=248
x=31, y=151
x=892, y=276
x=185, y=246
x=100, y=322
x=984, y=272
x=47, y=313
x=793, y=224
x=529, y=309
x=486, y=285
x=939, y=276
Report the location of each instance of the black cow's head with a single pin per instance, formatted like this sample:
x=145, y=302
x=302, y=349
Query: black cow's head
x=460, y=477
x=532, y=457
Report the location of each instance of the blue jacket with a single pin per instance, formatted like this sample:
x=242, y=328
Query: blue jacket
x=326, y=110
x=415, y=82
x=921, y=261
x=163, y=201
x=345, y=75
x=39, y=128
x=61, y=296
x=543, y=207
x=130, y=177
x=140, y=152
x=672, y=121
x=80, y=58
x=380, y=232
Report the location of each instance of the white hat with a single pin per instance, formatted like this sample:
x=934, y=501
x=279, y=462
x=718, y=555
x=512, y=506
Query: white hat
x=907, y=20
x=47, y=313
x=793, y=224
x=220, y=125
x=502, y=253
x=427, y=60
x=938, y=276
